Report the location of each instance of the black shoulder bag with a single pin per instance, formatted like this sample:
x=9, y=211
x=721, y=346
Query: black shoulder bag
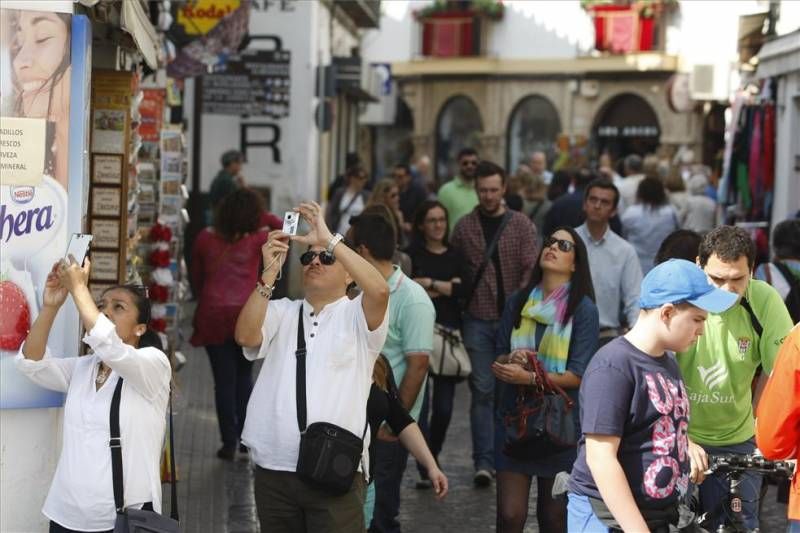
x=329, y=455
x=138, y=520
x=487, y=256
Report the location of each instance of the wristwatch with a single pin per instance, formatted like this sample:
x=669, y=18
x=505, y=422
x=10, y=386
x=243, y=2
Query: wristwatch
x=336, y=239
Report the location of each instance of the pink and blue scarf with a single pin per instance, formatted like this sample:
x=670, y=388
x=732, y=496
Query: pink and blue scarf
x=554, y=346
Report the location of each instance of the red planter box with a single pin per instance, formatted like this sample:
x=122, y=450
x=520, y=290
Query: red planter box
x=621, y=29
x=450, y=34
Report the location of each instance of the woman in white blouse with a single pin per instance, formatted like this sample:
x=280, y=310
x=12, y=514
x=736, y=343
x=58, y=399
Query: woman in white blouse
x=81, y=497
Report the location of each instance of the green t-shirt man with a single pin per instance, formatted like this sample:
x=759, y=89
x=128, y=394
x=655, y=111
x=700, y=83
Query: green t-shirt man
x=459, y=197
x=719, y=368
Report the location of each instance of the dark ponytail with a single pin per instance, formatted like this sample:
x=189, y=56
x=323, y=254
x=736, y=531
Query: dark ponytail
x=142, y=301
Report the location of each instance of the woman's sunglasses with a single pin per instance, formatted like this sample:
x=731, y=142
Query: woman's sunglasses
x=563, y=245
x=324, y=257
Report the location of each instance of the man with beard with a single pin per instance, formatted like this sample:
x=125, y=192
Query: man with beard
x=499, y=247
x=458, y=195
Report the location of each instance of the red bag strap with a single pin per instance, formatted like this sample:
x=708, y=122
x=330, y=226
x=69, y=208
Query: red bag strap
x=544, y=378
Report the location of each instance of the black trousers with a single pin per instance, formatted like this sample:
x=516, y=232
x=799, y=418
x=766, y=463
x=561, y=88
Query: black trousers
x=233, y=381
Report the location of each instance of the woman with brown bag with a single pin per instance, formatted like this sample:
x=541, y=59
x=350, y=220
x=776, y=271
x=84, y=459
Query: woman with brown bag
x=554, y=317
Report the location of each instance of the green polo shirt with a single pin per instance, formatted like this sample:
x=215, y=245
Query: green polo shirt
x=719, y=368
x=411, y=318
x=459, y=197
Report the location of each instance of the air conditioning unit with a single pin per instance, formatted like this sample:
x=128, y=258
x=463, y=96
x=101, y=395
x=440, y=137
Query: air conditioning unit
x=709, y=82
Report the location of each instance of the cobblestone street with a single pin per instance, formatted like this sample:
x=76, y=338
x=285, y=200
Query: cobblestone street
x=217, y=496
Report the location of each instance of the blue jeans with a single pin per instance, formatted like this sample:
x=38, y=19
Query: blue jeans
x=479, y=340
x=794, y=526
x=390, y=464
x=581, y=517
x=715, y=488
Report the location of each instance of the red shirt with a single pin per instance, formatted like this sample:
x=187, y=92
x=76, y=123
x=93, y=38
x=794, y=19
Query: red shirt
x=224, y=275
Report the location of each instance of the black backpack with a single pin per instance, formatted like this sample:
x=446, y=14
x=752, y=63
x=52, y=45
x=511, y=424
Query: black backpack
x=792, y=299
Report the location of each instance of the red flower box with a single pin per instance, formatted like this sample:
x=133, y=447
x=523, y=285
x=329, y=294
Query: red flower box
x=622, y=29
x=450, y=34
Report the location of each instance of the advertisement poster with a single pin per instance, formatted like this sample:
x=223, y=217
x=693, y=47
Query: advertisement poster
x=44, y=87
x=152, y=111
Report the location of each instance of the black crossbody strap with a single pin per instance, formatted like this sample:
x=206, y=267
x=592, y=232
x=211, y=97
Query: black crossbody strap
x=116, y=449
x=116, y=454
x=172, y=476
x=300, y=373
x=754, y=321
x=487, y=256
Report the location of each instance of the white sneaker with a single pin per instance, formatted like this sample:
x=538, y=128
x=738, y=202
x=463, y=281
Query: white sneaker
x=482, y=478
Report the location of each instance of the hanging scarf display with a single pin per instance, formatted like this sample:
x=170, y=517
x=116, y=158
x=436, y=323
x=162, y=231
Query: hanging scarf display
x=554, y=346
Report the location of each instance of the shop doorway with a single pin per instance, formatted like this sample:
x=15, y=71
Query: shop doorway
x=458, y=126
x=626, y=124
x=533, y=126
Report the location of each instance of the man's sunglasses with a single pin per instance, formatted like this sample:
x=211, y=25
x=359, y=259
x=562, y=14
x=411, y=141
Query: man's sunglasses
x=563, y=245
x=324, y=257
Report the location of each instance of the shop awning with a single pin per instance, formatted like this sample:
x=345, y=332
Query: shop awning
x=779, y=56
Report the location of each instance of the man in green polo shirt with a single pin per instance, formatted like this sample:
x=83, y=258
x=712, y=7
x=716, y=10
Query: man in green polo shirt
x=458, y=195
x=408, y=345
x=719, y=369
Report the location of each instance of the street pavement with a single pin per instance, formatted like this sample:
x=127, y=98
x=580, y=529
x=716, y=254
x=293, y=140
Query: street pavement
x=217, y=496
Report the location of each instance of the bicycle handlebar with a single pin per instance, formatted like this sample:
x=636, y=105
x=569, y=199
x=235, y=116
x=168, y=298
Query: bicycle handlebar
x=749, y=463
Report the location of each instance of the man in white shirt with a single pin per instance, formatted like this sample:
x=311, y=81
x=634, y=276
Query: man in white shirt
x=616, y=274
x=634, y=174
x=538, y=166
x=343, y=340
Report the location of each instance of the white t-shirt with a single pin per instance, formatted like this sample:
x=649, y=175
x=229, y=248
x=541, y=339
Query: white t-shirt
x=356, y=207
x=341, y=354
x=81, y=496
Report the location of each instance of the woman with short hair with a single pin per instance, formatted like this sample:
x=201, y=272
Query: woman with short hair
x=226, y=260
x=648, y=222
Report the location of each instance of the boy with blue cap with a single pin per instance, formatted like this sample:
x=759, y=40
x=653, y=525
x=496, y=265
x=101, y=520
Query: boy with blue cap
x=634, y=462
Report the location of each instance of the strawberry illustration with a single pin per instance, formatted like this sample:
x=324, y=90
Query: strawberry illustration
x=15, y=316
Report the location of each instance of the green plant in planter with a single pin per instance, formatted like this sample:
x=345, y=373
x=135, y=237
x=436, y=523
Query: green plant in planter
x=492, y=9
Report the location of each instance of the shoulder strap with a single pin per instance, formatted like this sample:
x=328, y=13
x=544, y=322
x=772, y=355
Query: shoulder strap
x=115, y=443
x=300, y=373
x=792, y=281
x=172, y=476
x=487, y=256
x=116, y=455
x=753, y=318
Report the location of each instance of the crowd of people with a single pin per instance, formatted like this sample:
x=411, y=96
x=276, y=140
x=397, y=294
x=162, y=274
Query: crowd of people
x=617, y=294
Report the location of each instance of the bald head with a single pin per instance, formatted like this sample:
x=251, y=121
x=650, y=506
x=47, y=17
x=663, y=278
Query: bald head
x=538, y=162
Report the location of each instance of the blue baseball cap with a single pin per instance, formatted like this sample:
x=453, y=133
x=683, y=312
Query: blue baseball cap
x=678, y=281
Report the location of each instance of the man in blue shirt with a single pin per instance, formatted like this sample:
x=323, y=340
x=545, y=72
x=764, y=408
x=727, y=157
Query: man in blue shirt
x=616, y=273
x=409, y=343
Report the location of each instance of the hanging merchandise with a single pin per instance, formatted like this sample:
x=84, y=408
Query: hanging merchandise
x=748, y=180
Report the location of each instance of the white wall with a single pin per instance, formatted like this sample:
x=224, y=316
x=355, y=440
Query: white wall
x=544, y=29
x=295, y=176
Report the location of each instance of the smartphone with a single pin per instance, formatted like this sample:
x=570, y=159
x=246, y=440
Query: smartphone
x=290, y=219
x=78, y=247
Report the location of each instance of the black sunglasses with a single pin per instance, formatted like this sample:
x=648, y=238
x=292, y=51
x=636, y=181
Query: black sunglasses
x=325, y=258
x=563, y=245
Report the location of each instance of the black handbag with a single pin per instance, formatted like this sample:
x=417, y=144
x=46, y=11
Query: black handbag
x=541, y=422
x=329, y=455
x=138, y=520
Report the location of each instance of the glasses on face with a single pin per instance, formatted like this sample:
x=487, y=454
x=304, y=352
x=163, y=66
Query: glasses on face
x=324, y=257
x=469, y=163
x=563, y=245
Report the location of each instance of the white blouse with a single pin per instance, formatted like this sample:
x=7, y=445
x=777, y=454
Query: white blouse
x=81, y=496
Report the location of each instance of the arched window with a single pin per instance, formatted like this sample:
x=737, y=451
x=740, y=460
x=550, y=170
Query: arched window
x=533, y=127
x=459, y=126
x=626, y=124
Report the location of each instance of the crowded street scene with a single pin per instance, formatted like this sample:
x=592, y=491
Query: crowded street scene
x=347, y=266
